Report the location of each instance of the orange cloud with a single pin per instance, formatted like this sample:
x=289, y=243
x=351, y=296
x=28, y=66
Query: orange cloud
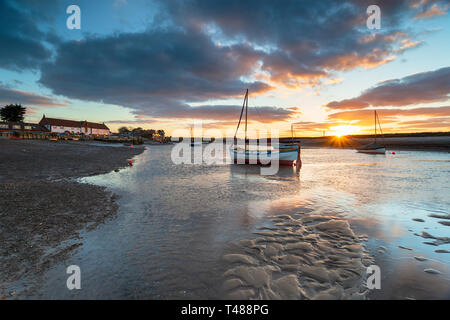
x=434, y=11
x=418, y=88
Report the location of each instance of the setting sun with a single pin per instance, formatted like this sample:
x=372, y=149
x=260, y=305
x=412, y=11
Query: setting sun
x=340, y=131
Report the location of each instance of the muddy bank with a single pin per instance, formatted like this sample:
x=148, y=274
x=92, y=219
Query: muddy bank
x=34, y=159
x=42, y=207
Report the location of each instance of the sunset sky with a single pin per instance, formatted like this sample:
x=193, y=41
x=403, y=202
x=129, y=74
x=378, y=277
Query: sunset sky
x=165, y=64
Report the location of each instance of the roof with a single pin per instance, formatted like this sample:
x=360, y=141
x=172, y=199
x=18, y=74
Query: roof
x=71, y=123
x=97, y=125
x=34, y=126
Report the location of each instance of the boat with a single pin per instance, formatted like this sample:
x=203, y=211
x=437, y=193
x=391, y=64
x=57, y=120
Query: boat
x=374, y=147
x=286, y=154
x=193, y=141
x=197, y=142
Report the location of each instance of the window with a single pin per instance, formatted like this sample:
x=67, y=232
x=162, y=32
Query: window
x=4, y=126
x=16, y=126
x=27, y=127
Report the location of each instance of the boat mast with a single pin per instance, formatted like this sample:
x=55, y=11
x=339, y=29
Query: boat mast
x=375, y=125
x=246, y=114
x=240, y=118
x=292, y=133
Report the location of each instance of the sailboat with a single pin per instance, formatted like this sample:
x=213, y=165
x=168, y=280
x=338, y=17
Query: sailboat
x=286, y=155
x=374, y=147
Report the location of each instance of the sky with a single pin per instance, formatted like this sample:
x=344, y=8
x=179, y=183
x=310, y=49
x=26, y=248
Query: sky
x=167, y=64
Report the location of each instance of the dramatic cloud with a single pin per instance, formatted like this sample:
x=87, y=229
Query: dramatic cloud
x=151, y=70
x=303, y=40
x=11, y=96
x=193, y=52
x=21, y=40
x=210, y=50
x=422, y=87
x=260, y=114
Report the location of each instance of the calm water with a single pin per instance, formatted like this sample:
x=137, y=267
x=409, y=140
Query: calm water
x=176, y=221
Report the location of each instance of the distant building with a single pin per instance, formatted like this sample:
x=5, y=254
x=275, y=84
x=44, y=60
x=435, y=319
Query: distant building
x=77, y=127
x=158, y=137
x=8, y=126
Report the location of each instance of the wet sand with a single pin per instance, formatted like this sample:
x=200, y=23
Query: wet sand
x=299, y=257
x=42, y=207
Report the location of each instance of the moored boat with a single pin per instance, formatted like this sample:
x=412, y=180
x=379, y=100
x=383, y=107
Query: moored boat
x=288, y=155
x=285, y=155
x=374, y=147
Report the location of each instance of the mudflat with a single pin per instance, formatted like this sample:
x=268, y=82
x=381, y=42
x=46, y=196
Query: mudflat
x=42, y=206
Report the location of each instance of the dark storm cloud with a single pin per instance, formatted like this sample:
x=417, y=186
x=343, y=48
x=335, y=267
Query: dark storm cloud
x=155, y=69
x=309, y=38
x=21, y=40
x=163, y=69
x=422, y=87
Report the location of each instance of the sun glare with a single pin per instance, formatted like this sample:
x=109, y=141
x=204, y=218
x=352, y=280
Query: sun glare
x=340, y=131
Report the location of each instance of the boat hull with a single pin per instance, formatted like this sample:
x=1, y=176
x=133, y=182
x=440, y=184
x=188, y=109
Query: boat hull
x=284, y=156
x=373, y=151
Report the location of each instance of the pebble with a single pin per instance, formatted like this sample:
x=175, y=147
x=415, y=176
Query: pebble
x=432, y=271
x=420, y=258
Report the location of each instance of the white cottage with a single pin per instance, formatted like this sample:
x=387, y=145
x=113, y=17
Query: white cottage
x=75, y=127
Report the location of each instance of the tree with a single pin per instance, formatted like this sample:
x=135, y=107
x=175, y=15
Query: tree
x=123, y=130
x=13, y=112
x=161, y=133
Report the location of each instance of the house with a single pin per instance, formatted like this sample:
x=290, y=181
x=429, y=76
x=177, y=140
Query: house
x=76, y=127
x=9, y=126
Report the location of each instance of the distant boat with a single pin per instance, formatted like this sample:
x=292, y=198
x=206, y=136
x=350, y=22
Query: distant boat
x=287, y=155
x=373, y=147
x=195, y=142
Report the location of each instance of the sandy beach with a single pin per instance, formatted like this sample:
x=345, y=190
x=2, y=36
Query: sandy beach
x=42, y=207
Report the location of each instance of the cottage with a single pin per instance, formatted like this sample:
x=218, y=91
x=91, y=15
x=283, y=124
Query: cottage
x=9, y=126
x=75, y=127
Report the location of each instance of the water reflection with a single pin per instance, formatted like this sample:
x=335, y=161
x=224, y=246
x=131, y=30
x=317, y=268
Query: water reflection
x=175, y=221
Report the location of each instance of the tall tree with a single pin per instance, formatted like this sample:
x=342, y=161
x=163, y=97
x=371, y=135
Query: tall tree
x=123, y=130
x=13, y=112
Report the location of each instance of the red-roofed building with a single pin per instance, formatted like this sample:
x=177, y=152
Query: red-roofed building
x=77, y=127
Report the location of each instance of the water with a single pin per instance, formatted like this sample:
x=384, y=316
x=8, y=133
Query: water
x=176, y=221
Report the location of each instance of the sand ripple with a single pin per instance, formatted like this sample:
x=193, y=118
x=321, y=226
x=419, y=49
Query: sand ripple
x=307, y=257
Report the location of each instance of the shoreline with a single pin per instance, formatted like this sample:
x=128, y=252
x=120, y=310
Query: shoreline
x=43, y=208
x=427, y=143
